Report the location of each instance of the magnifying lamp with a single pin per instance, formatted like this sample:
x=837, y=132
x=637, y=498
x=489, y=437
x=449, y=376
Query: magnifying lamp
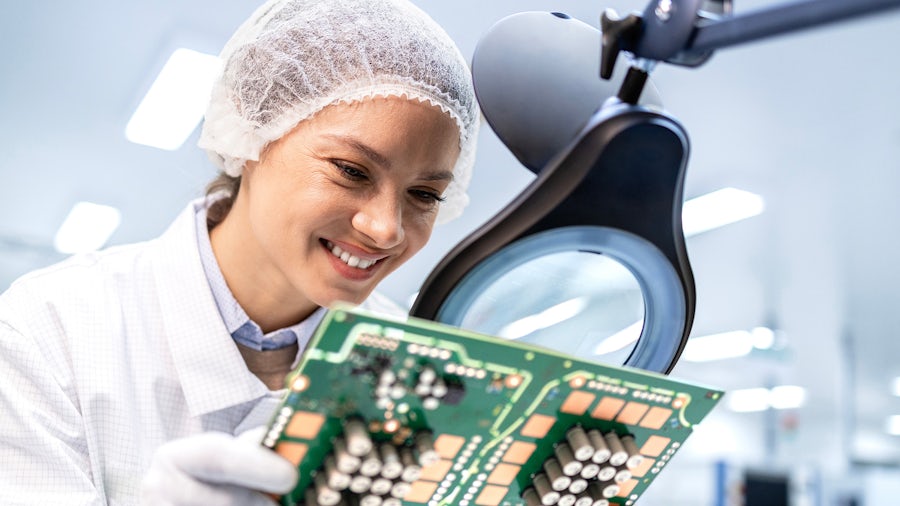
x=590, y=258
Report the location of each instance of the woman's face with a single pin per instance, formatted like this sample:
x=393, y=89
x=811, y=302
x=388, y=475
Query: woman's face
x=340, y=202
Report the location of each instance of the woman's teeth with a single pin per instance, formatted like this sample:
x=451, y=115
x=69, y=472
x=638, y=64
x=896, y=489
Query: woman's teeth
x=349, y=259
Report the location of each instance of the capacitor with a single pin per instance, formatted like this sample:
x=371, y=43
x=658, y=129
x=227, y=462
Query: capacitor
x=610, y=490
x=635, y=459
x=325, y=495
x=391, y=467
x=622, y=476
x=382, y=391
x=531, y=497
x=360, y=484
x=424, y=443
x=567, y=500
x=606, y=473
x=439, y=389
x=578, y=486
x=344, y=462
x=391, y=501
x=590, y=470
x=371, y=464
x=411, y=468
x=357, y=437
x=618, y=455
x=422, y=389
x=398, y=391
x=370, y=500
x=431, y=403
x=387, y=377
x=598, y=442
x=584, y=500
x=399, y=489
x=336, y=479
x=310, y=495
x=381, y=486
x=603, y=490
x=558, y=480
x=427, y=375
x=580, y=444
x=567, y=461
x=545, y=492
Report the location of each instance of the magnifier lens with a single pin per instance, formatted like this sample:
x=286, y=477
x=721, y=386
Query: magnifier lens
x=581, y=303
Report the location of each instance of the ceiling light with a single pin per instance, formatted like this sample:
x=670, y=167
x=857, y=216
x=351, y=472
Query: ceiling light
x=620, y=339
x=748, y=400
x=763, y=338
x=175, y=104
x=546, y=318
x=86, y=228
x=761, y=399
x=892, y=426
x=719, y=208
x=787, y=397
x=718, y=346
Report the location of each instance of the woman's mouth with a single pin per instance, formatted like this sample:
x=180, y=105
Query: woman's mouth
x=351, y=260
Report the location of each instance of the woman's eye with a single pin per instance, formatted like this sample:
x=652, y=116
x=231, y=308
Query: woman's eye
x=427, y=196
x=350, y=172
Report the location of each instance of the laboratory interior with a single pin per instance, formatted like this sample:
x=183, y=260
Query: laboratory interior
x=790, y=217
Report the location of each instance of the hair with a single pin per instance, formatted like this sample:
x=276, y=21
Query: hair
x=225, y=188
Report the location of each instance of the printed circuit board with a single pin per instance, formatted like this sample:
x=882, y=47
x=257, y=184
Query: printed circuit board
x=399, y=412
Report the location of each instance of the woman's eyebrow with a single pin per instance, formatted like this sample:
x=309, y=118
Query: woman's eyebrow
x=363, y=148
x=441, y=175
x=372, y=154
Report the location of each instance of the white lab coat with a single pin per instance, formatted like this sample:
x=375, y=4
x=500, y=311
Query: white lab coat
x=105, y=357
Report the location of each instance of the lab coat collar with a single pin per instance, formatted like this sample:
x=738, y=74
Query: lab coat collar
x=210, y=368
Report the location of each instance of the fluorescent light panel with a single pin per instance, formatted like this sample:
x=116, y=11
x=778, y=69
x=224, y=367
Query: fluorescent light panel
x=175, y=104
x=621, y=339
x=892, y=425
x=86, y=228
x=760, y=399
x=733, y=344
x=719, y=208
x=546, y=318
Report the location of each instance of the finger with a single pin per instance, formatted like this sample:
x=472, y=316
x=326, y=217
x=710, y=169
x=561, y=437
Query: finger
x=220, y=458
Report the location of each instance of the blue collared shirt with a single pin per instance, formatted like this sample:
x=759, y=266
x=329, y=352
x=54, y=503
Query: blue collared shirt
x=244, y=330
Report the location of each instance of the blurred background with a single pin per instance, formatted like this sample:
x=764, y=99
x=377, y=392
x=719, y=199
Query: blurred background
x=801, y=295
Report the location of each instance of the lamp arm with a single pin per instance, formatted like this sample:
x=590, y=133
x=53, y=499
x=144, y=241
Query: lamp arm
x=781, y=19
x=686, y=32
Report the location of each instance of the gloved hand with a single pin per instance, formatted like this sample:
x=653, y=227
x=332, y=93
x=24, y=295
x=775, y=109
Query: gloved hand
x=216, y=469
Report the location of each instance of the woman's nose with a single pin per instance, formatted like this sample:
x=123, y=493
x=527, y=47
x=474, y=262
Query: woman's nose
x=381, y=219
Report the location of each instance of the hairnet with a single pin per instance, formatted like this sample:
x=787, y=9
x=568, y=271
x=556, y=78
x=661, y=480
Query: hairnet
x=292, y=58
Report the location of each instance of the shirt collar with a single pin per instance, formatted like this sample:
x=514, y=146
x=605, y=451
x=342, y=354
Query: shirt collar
x=242, y=329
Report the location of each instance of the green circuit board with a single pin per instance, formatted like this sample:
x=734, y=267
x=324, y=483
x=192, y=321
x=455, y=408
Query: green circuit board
x=399, y=412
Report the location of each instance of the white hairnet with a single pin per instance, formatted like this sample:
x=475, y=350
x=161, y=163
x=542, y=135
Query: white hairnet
x=293, y=58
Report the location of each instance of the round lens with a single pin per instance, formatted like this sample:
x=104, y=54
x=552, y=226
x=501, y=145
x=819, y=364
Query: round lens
x=582, y=303
x=598, y=293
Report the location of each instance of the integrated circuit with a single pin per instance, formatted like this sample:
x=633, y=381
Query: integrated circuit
x=389, y=412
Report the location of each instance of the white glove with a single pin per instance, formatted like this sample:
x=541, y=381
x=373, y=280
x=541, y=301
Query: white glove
x=217, y=469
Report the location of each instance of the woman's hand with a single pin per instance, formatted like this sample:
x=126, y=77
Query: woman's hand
x=217, y=468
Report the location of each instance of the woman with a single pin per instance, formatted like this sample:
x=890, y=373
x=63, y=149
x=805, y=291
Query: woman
x=345, y=130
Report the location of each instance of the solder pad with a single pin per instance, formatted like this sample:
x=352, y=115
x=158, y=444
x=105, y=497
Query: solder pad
x=491, y=420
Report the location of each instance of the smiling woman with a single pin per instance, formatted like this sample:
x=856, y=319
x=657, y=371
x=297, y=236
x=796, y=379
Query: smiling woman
x=128, y=374
x=334, y=206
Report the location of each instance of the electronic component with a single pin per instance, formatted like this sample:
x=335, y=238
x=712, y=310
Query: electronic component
x=389, y=412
